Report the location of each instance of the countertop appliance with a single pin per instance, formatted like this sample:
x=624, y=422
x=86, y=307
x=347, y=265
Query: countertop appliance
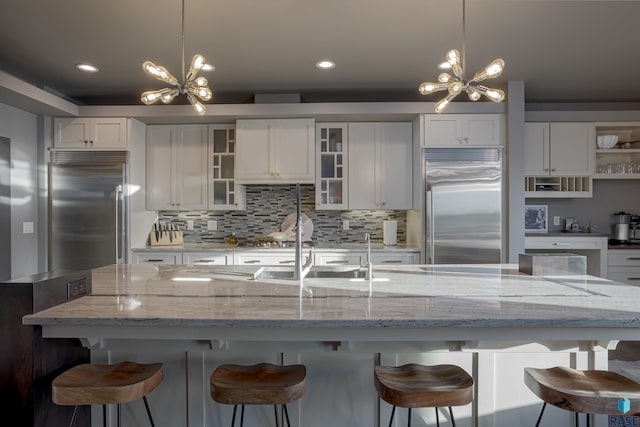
x=621, y=222
x=29, y=362
x=463, y=209
x=88, y=209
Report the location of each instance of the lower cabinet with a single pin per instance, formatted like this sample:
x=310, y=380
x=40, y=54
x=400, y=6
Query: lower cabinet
x=207, y=258
x=624, y=266
x=343, y=258
x=395, y=258
x=156, y=257
x=248, y=258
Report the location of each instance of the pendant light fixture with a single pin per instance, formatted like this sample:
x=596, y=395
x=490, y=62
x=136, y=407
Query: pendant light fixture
x=196, y=88
x=456, y=84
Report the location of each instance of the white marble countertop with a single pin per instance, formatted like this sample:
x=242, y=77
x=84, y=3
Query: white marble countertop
x=443, y=302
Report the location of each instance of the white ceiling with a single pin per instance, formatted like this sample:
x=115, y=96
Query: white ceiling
x=564, y=51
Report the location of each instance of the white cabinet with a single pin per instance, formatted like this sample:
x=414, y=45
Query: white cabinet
x=624, y=266
x=559, y=149
x=339, y=258
x=207, y=258
x=176, y=167
x=332, y=166
x=622, y=161
x=224, y=192
x=463, y=130
x=91, y=133
x=275, y=151
x=262, y=258
x=380, y=166
x=559, y=159
x=158, y=257
x=395, y=258
x=593, y=247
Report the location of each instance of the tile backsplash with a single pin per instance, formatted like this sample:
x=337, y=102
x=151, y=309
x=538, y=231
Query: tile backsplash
x=267, y=207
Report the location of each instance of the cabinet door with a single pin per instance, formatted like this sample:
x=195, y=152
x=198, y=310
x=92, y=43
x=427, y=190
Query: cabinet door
x=224, y=193
x=158, y=257
x=72, y=133
x=331, y=166
x=339, y=258
x=191, y=167
x=482, y=129
x=536, y=149
x=253, y=157
x=442, y=130
x=109, y=133
x=362, y=165
x=207, y=258
x=572, y=149
x=395, y=166
x=249, y=258
x=395, y=258
x=293, y=150
x=159, y=183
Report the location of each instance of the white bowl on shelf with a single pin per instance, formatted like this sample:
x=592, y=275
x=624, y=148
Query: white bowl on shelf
x=607, y=141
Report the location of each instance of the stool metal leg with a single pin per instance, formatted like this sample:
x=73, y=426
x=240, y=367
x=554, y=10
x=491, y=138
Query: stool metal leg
x=544, y=405
x=104, y=415
x=437, y=417
x=588, y=420
x=73, y=416
x=393, y=412
x=233, y=418
x=286, y=414
x=409, y=419
x=119, y=416
x=146, y=405
x=453, y=421
x=242, y=416
x=577, y=420
x=275, y=412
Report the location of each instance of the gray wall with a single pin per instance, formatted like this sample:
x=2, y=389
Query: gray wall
x=609, y=196
x=22, y=129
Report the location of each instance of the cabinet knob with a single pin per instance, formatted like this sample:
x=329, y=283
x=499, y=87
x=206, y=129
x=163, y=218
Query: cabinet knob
x=553, y=169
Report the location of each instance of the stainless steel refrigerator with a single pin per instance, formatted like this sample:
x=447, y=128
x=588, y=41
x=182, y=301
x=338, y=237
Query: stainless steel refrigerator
x=88, y=210
x=463, y=209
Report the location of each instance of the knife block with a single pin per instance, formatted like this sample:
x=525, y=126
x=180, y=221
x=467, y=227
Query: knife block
x=164, y=239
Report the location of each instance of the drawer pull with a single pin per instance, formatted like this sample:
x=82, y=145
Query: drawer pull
x=633, y=278
x=633, y=258
x=561, y=244
x=204, y=261
x=153, y=260
x=392, y=261
x=338, y=261
x=252, y=261
x=289, y=261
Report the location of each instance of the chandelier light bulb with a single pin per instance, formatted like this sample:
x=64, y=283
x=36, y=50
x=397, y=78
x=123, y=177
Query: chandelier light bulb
x=455, y=88
x=494, y=69
x=201, y=81
x=159, y=72
x=473, y=93
x=168, y=96
x=153, y=96
x=445, y=78
x=443, y=103
x=197, y=105
x=496, y=95
x=428, y=87
x=197, y=63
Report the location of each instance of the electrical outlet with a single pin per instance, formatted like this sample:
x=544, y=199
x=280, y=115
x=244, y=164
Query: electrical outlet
x=556, y=220
x=212, y=225
x=190, y=225
x=27, y=228
x=345, y=224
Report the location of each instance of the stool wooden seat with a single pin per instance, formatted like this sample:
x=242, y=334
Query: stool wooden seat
x=590, y=392
x=261, y=384
x=418, y=386
x=94, y=384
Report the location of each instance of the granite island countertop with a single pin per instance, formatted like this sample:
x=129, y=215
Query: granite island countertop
x=414, y=302
x=318, y=247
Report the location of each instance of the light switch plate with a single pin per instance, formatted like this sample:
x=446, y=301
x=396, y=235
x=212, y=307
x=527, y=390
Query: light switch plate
x=27, y=227
x=190, y=225
x=212, y=225
x=345, y=224
x=556, y=220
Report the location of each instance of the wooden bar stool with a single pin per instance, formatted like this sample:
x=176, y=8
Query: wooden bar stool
x=590, y=392
x=418, y=386
x=93, y=384
x=261, y=384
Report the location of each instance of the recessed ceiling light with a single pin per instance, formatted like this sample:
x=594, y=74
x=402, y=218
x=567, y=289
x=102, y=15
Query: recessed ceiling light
x=325, y=64
x=87, y=68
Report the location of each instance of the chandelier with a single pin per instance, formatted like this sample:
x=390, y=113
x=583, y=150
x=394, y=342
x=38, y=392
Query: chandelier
x=456, y=84
x=196, y=88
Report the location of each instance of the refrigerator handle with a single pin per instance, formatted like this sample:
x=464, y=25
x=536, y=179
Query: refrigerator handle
x=430, y=226
x=118, y=193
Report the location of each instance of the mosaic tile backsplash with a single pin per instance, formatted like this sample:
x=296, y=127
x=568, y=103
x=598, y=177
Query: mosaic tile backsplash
x=267, y=207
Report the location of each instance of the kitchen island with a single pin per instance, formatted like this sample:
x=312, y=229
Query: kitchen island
x=488, y=319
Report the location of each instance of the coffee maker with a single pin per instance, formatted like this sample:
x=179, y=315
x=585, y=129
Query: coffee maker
x=620, y=228
x=634, y=229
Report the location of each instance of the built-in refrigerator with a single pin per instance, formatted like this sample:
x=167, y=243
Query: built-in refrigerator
x=88, y=209
x=463, y=205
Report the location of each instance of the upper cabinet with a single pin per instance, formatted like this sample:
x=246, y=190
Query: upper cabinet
x=275, y=151
x=224, y=192
x=622, y=161
x=380, y=166
x=90, y=133
x=331, y=166
x=559, y=159
x=463, y=130
x=176, y=167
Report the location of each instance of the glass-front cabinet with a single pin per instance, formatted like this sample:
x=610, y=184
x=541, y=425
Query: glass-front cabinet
x=622, y=159
x=331, y=166
x=224, y=193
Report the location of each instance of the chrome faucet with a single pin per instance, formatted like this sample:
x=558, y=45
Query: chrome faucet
x=368, y=264
x=301, y=270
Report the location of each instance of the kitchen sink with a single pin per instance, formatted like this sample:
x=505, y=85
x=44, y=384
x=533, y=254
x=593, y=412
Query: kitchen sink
x=314, y=273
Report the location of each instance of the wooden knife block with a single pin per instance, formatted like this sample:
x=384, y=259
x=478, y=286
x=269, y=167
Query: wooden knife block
x=164, y=240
